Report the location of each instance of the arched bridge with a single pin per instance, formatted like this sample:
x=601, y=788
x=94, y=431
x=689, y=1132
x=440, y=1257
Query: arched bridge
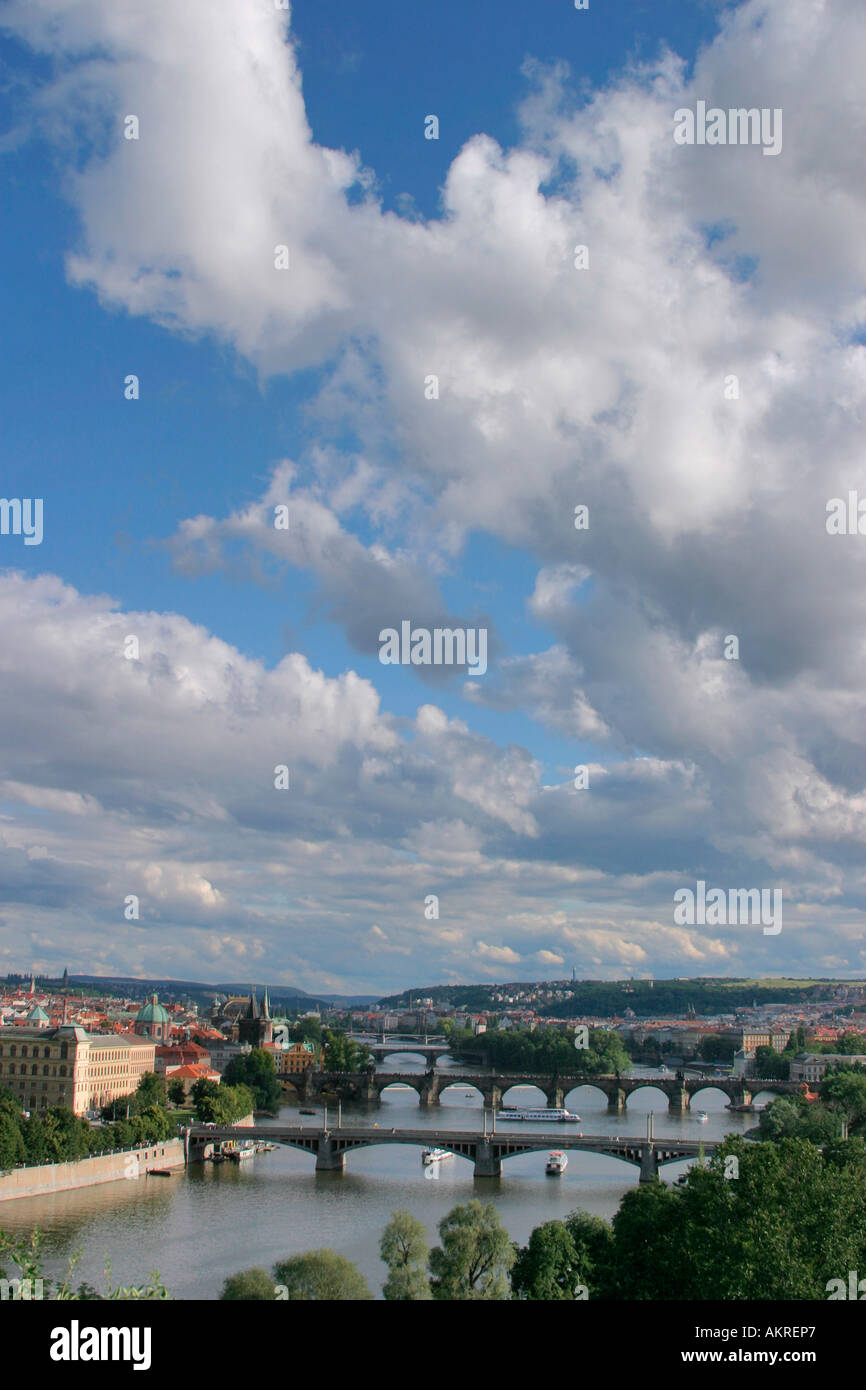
x=485, y=1151
x=431, y=1052
x=369, y=1085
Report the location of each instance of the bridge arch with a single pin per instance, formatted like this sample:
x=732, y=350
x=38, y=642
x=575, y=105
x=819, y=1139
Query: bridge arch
x=399, y=1086
x=657, y=1099
x=407, y=1051
x=586, y=1094
x=460, y=1086
x=523, y=1095
x=709, y=1085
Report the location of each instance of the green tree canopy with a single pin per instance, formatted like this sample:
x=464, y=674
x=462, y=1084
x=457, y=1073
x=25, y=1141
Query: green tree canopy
x=342, y=1053
x=548, y=1268
x=255, y=1069
x=475, y=1257
x=249, y=1284
x=404, y=1250
x=321, y=1276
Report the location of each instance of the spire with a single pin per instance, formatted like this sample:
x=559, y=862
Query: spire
x=253, y=1008
x=266, y=1005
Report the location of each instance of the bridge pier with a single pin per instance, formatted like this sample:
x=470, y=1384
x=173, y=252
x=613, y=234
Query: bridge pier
x=488, y=1164
x=556, y=1097
x=679, y=1100
x=649, y=1168
x=429, y=1093
x=616, y=1099
x=194, y=1148
x=328, y=1160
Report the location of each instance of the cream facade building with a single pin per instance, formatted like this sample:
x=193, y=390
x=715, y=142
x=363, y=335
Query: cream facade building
x=68, y=1066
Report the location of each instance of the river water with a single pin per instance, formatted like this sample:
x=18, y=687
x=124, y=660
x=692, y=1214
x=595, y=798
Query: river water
x=197, y=1227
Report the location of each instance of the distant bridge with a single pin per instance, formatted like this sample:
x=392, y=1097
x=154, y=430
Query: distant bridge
x=369, y=1085
x=484, y=1150
x=431, y=1052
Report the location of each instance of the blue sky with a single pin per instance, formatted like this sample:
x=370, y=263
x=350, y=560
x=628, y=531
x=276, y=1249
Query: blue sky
x=554, y=128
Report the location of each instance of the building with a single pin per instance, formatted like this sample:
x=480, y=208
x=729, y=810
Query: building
x=67, y=1066
x=752, y=1039
x=181, y=1054
x=295, y=1058
x=152, y=1021
x=189, y=1074
x=256, y=1027
x=813, y=1066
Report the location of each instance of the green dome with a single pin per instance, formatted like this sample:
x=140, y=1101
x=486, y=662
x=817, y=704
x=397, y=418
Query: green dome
x=153, y=1012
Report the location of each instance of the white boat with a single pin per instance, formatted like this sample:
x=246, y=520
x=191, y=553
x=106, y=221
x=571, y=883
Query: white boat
x=557, y=1162
x=429, y=1156
x=556, y=1114
x=702, y=1117
x=242, y=1152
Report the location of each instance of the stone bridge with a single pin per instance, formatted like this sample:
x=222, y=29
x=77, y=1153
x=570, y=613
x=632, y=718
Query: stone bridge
x=484, y=1150
x=369, y=1085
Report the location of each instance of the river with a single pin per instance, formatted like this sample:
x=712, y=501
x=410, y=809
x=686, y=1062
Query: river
x=197, y=1227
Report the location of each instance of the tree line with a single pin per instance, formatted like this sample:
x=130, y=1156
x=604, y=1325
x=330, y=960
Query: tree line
x=56, y=1135
x=546, y=1051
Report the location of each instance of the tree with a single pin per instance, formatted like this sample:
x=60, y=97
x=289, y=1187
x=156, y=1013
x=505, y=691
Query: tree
x=778, y=1223
x=342, y=1053
x=548, y=1267
x=771, y=1065
x=249, y=1284
x=647, y=1258
x=221, y=1105
x=843, y=1090
x=475, y=1257
x=150, y=1091
x=321, y=1276
x=306, y=1030
x=592, y=1238
x=176, y=1092
x=404, y=1250
x=257, y=1070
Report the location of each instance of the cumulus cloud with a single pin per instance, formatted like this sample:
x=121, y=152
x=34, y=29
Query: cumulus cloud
x=559, y=386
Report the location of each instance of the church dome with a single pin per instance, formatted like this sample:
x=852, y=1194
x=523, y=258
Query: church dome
x=152, y=1012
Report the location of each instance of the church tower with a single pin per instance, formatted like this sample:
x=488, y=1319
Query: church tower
x=256, y=1027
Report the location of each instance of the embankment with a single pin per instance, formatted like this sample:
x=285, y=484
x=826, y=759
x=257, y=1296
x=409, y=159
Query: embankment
x=126, y=1165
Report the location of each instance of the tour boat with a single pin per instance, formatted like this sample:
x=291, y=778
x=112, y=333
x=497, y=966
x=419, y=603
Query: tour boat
x=556, y=1114
x=243, y=1151
x=702, y=1117
x=557, y=1162
x=435, y=1155
x=306, y=1112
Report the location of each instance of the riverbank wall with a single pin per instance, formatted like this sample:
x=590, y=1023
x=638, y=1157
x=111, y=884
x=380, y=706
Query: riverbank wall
x=125, y=1165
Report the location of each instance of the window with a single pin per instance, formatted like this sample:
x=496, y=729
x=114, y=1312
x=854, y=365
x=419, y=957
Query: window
x=62, y=1069
x=34, y=1070
x=45, y=1070
x=47, y=1052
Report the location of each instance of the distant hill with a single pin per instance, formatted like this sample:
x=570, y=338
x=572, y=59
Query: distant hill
x=136, y=988
x=645, y=998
